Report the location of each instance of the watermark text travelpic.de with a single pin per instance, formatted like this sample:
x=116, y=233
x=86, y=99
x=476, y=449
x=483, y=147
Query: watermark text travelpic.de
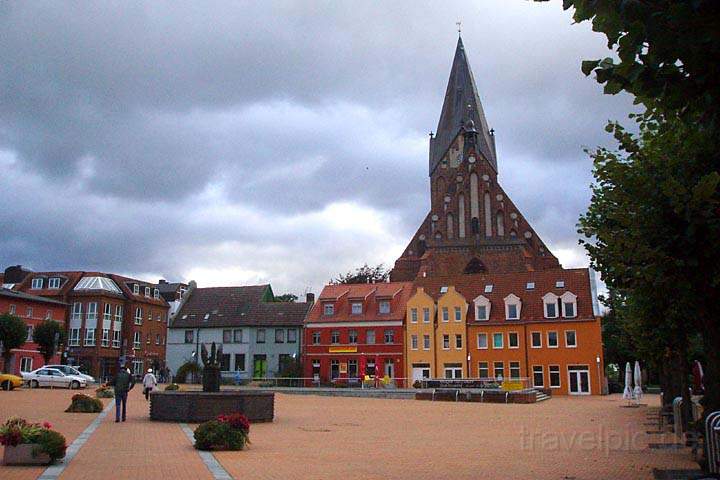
x=601, y=438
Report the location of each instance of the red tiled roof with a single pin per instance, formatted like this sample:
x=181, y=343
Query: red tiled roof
x=124, y=282
x=576, y=280
x=340, y=295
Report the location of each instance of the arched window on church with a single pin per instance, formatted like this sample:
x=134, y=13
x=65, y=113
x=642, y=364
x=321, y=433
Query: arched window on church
x=475, y=225
x=474, y=198
x=450, y=226
x=461, y=216
x=488, y=215
x=500, y=224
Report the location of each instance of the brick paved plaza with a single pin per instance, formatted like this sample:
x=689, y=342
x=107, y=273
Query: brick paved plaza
x=328, y=437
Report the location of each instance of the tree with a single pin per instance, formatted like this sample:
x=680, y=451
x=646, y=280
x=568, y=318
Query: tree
x=13, y=334
x=364, y=274
x=45, y=335
x=287, y=297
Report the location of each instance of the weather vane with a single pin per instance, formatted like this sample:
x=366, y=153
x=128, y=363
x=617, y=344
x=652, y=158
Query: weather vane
x=459, y=25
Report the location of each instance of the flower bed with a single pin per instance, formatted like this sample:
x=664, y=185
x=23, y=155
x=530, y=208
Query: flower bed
x=105, y=392
x=84, y=404
x=225, y=432
x=172, y=387
x=30, y=443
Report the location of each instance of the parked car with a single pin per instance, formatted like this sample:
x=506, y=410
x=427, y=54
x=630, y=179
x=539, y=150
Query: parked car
x=52, y=377
x=8, y=381
x=70, y=370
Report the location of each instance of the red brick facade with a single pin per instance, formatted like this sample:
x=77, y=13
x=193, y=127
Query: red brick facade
x=32, y=310
x=356, y=330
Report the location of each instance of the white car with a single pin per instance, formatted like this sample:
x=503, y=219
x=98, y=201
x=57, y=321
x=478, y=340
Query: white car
x=70, y=370
x=52, y=377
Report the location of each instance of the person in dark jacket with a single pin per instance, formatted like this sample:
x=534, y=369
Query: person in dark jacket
x=123, y=383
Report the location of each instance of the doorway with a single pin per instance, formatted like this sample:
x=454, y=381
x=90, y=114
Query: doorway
x=579, y=380
x=259, y=366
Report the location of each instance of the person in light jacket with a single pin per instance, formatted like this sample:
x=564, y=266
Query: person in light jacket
x=149, y=383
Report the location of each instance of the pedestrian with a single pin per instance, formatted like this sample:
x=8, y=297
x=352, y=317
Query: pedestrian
x=122, y=383
x=149, y=383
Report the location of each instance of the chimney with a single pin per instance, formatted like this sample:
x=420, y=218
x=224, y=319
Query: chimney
x=310, y=297
x=162, y=281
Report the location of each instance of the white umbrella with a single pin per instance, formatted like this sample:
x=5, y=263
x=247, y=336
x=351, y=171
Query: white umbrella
x=638, y=393
x=627, y=393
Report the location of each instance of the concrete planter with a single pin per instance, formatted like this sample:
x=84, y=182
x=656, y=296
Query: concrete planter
x=23, y=455
x=198, y=407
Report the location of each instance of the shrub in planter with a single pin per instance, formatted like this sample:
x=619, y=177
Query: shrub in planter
x=105, y=392
x=417, y=384
x=226, y=432
x=187, y=368
x=172, y=386
x=84, y=404
x=47, y=445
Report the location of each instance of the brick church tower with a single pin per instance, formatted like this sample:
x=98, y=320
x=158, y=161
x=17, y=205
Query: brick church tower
x=472, y=226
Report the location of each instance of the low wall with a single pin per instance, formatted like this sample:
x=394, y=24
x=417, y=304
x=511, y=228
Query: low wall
x=196, y=407
x=486, y=396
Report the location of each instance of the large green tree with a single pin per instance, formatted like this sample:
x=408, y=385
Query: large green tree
x=48, y=335
x=13, y=334
x=364, y=274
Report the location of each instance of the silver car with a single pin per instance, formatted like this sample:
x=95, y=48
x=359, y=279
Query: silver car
x=52, y=377
x=70, y=370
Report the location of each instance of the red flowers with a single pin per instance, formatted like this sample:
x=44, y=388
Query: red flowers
x=47, y=425
x=237, y=421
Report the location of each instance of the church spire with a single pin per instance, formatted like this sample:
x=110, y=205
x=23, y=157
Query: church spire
x=461, y=103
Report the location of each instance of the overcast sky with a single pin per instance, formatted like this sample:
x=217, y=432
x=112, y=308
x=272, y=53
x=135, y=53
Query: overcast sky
x=236, y=143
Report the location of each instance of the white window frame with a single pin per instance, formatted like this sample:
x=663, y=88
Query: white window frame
x=482, y=301
x=413, y=315
x=54, y=283
x=147, y=292
x=444, y=337
x=485, y=335
x=487, y=369
x=118, y=313
x=91, y=311
x=426, y=342
x=328, y=309
x=445, y=314
x=137, y=340
x=107, y=311
x=89, y=340
x=414, y=342
x=426, y=315
x=513, y=299
x=356, y=308
x=136, y=289
x=550, y=299
x=29, y=332
x=384, y=307
x=542, y=374
x=510, y=369
x=74, y=340
x=566, y=339
x=116, y=338
x=12, y=309
x=36, y=283
x=138, y=316
x=568, y=297
x=517, y=338
x=502, y=340
x=557, y=339
x=105, y=341
x=316, y=337
x=457, y=314
x=156, y=294
x=23, y=362
x=532, y=340
x=495, y=369
x=550, y=370
x=458, y=336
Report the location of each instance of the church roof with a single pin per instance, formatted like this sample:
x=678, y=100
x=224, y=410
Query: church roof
x=461, y=92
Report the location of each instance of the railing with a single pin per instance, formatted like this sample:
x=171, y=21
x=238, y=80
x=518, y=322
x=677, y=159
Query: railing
x=520, y=383
x=712, y=441
x=341, y=382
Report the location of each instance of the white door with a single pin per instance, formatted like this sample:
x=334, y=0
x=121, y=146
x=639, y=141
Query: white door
x=390, y=370
x=579, y=382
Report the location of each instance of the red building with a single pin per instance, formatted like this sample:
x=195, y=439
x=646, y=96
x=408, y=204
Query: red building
x=111, y=319
x=33, y=310
x=356, y=330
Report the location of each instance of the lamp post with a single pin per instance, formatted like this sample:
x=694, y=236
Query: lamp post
x=597, y=360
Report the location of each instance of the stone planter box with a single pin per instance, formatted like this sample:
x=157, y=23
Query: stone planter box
x=198, y=407
x=23, y=455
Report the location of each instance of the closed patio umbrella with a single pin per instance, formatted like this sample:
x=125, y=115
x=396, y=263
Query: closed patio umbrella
x=637, y=392
x=698, y=386
x=627, y=393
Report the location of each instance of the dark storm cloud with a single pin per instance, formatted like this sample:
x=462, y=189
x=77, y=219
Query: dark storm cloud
x=127, y=124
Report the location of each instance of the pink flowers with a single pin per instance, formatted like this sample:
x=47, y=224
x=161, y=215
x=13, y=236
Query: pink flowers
x=237, y=421
x=47, y=425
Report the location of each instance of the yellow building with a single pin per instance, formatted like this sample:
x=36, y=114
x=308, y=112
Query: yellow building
x=420, y=336
x=451, y=335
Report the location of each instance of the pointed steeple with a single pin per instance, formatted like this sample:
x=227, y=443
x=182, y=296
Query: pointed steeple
x=461, y=104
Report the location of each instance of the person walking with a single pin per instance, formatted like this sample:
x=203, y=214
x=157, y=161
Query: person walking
x=149, y=383
x=122, y=383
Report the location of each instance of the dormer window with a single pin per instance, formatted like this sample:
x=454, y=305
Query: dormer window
x=482, y=308
x=560, y=284
x=488, y=288
x=328, y=309
x=54, y=283
x=569, y=305
x=356, y=308
x=147, y=291
x=530, y=286
x=512, y=307
x=156, y=294
x=550, y=302
x=384, y=307
x=37, y=283
x=136, y=289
